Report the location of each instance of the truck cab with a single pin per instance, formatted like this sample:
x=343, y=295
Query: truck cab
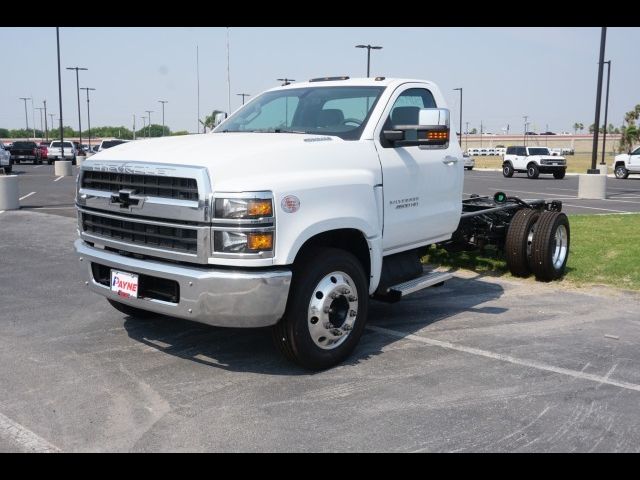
x=627, y=163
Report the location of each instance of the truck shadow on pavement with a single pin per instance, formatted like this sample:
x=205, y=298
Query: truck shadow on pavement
x=251, y=350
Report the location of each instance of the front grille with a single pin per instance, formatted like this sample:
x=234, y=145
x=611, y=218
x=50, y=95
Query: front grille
x=151, y=185
x=148, y=287
x=144, y=234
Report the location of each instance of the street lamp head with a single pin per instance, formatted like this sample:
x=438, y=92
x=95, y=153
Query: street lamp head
x=376, y=48
x=361, y=46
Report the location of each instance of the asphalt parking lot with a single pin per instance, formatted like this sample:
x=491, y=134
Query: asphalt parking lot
x=623, y=196
x=480, y=364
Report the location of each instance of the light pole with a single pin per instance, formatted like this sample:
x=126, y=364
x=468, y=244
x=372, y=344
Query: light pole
x=480, y=133
x=243, y=95
x=369, y=48
x=144, y=126
x=460, y=88
x=596, y=123
x=606, y=111
x=149, y=112
x=26, y=117
x=286, y=80
x=77, y=69
x=51, y=115
x=524, y=135
x=60, y=93
x=163, y=102
x=88, y=114
x=46, y=126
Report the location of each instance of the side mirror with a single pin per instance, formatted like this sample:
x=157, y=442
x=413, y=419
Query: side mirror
x=432, y=130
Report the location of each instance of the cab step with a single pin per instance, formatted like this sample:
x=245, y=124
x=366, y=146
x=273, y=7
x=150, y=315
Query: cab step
x=428, y=279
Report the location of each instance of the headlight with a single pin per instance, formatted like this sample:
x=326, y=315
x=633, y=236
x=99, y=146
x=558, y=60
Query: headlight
x=243, y=208
x=243, y=242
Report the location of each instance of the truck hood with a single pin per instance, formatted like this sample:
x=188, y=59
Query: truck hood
x=237, y=160
x=546, y=157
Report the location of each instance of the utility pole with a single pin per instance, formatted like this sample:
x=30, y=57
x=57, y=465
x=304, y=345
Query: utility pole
x=524, y=136
x=33, y=118
x=596, y=123
x=243, y=95
x=46, y=126
x=606, y=111
x=88, y=114
x=228, y=77
x=149, y=112
x=134, y=126
x=163, y=102
x=466, y=137
x=41, y=123
x=78, y=88
x=51, y=115
x=26, y=117
x=144, y=126
x=480, y=133
x=460, y=88
x=198, y=78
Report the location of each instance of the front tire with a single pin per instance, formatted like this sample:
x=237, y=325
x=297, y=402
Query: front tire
x=517, y=246
x=326, y=311
x=559, y=175
x=550, y=247
x=621, y=172
x=507, y=170
x=532, y=171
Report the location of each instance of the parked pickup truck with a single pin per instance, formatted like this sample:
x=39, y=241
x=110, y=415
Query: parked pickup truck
x=25, y=151
x=533, y=161
x=296, y=211
x=55, y=152
x=627, y=163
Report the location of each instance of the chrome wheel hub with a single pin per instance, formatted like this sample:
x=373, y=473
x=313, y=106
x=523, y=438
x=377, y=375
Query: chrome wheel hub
x=333, y=310
x=560, y=247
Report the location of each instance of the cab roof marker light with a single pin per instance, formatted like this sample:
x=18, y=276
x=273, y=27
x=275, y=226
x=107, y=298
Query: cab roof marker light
x=328, y=79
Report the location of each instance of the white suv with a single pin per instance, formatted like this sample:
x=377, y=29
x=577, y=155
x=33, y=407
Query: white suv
x=533, y=161
x=627, y=163
x=5, y=159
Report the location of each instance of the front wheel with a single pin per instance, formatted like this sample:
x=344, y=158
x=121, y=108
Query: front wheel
x=326, y=311
x=559, y=175
x=621, y=172
x=550, y=246
x=507, y=170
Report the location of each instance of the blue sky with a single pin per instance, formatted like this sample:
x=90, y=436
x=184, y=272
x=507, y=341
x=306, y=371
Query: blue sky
x=549, y=74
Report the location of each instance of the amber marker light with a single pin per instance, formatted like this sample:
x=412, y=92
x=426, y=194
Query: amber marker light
x=437, y=135
x=260, y=241
x=259, y=208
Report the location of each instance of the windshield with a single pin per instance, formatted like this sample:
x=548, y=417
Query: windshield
x=111, y=143
x=539, y=151
x=18, y=145
x=339, y=111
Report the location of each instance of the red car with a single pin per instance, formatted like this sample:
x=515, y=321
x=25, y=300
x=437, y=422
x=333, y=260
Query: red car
x=43, y=147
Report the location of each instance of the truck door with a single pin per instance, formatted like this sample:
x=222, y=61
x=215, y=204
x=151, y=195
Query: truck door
x=422, y=186
x=634, y=160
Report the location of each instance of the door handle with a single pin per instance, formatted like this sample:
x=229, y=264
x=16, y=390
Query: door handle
x=449, y=160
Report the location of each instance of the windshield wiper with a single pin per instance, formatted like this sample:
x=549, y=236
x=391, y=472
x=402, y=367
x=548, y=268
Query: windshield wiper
x=284, y=130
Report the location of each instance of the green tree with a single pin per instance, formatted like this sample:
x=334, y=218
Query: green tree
x=210, y=120
x=473, y=131
x=630, y=134
x=4, y=133
x=180, y=132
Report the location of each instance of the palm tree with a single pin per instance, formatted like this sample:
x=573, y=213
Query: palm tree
x=210, y=120
x=576, y=126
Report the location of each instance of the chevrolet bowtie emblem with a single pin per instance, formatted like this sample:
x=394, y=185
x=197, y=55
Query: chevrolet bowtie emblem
x=126, y=198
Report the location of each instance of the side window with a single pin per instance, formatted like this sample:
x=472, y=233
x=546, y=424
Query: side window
x=522, y=151
x=511, y=150
x=636, y=151
x=407, y=105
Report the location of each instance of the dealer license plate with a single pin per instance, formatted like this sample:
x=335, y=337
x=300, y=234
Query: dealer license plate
x=124, y=284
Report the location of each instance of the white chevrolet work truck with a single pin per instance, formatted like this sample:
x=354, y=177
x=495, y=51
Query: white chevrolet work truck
x=295, y=211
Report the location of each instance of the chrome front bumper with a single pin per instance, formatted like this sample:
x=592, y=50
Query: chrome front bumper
x=222, y=298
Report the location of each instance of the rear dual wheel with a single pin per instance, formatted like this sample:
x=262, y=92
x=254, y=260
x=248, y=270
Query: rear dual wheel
x=538, y=243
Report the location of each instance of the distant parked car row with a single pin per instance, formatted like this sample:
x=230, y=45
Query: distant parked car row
x=486, y=151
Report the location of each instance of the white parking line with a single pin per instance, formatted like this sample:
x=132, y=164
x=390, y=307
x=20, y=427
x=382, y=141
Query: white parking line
x=59, y=178
x=508, y=358
x=27, y=195
x=24, y=437
x=596, y=208
x=39, y=166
